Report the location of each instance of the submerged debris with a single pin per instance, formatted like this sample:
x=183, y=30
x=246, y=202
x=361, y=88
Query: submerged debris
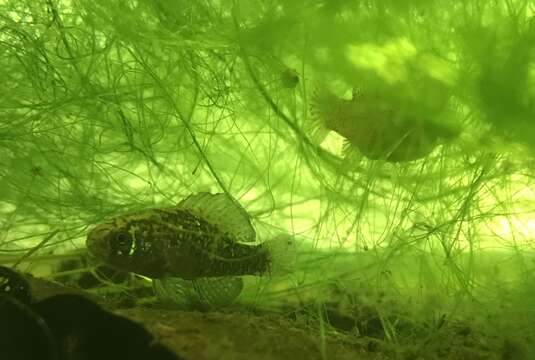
x=67, y=327
x=20, y=323
x=14, y=285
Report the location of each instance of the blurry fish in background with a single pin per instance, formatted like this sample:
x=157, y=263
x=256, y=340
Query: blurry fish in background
x=194, y=252
x=377, y=126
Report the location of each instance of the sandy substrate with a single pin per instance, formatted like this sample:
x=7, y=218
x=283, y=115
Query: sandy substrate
x=237, y=336
x=242, y=333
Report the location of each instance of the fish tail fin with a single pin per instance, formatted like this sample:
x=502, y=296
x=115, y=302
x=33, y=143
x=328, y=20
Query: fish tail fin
x=282, y=253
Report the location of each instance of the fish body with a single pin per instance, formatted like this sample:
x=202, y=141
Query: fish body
x=159, y=243
x=377, y=127
x=196, y=247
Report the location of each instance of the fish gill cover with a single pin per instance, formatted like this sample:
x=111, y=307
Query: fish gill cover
x=395, y=140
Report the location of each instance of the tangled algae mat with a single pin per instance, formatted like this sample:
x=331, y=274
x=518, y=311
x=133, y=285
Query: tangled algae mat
x=109, y=107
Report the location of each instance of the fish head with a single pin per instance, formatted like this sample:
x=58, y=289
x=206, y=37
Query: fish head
x=125, y=245
x=111, y=244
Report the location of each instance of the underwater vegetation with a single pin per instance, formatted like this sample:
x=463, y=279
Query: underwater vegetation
x=268, y=179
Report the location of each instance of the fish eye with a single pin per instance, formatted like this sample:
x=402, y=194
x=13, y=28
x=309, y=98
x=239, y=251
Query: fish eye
x=123, y=244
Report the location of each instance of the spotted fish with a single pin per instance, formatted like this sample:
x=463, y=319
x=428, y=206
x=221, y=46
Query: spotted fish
x=196, y=249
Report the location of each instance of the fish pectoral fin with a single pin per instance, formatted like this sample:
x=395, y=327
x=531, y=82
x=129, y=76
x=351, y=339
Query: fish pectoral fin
x=222, y=211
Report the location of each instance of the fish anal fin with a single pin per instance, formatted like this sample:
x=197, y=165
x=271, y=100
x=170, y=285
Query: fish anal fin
x=218, y=292
x=200, y=293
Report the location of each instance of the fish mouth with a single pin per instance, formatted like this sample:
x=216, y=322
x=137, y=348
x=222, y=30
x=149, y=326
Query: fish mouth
x=97, y=241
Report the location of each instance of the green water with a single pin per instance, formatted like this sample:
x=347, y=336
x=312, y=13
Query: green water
x=110, y=107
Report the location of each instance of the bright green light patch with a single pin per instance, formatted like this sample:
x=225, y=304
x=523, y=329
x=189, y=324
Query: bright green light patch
x=334, y=143
x=388, y=61
x=302, y=217
x=517, y=228
x=438, y=69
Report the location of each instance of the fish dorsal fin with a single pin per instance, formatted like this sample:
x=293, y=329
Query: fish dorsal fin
x=222, y=211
